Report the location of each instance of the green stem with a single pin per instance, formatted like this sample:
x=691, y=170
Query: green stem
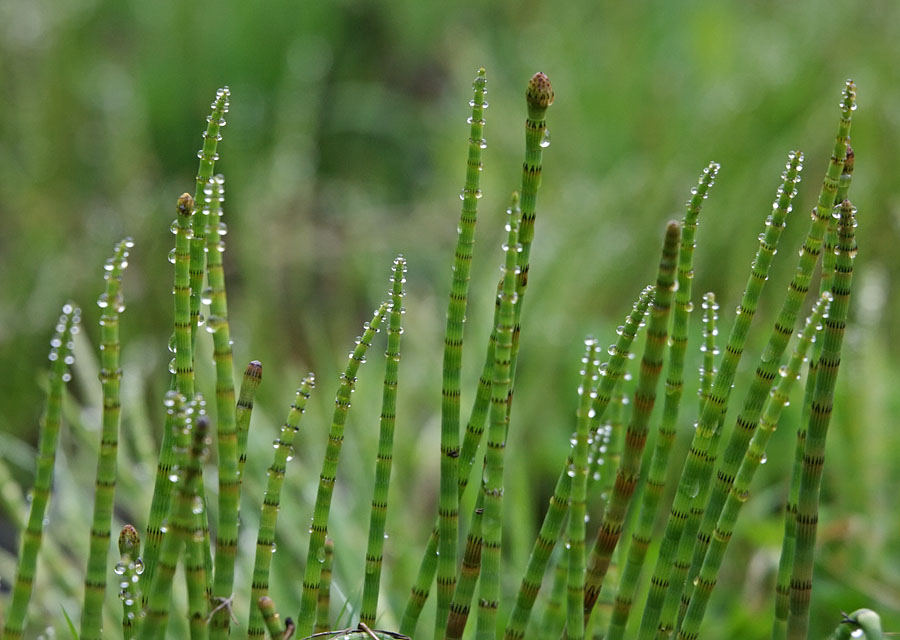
x=316, y=554
x=268, y=518
x=691, y=482
x=112, y=304
x=273, y=621
x=489, y=585
x=819, y=419
x=244, y=409
x=659, y=462
x=60, y=361
x=554, y=620
x=375, y=548
x=578, y=503
x=628, y=472
x=551, y=527
x=448, y=511
x=468, y=574
x=739, y=490
x=864, y=620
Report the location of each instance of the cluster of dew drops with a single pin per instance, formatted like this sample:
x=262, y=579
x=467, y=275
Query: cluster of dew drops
x=70, y=314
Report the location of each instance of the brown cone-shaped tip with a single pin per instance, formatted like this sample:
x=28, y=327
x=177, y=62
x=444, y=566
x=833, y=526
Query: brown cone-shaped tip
x=129, y=541
x=254, y=369
x=185, y=204
x=848, y=161
x=539, y=94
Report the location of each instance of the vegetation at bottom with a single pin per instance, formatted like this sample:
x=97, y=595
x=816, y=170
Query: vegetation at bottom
x=634, y=534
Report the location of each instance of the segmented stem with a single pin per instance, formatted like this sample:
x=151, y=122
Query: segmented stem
x=183, y=368
x=492, y=527
x=578, y=504
x=268, y=518
x=786, y=560
x=323, y=603
x=384, y=459
x=819, y=419
x=448, y=511
x=865, y=621
x=554, y=620
x=659, y=462
x=739, y=490
x=551, y=527
x=111, y=302
x=244, y=409
x=468, y=574
x=60, y=360
x=226, y=432
x=628, y=473
x=207, y=156
x=190, y=427
x=316, y=554
x=690, y=485
x=128, y=569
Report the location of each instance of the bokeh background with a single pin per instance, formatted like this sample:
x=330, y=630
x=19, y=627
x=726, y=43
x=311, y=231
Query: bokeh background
x=346, y=144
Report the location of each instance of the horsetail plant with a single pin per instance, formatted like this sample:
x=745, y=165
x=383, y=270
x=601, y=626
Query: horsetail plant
x=819, y=419
x=265, y=539
x=739, y=491
x=273, y=622
x=559, y=502
x=786, y=561
x=448, y=511
x=60, y=360
x=384, y=460
x=862, y=623
x=129, y=569
x=659, y=461
x=469, y=570
x=112, y=304
x=765, y=371
x=319, y=529
x=628, y=473
x=244, y=409
x=578, y=502
x=492, y=487
x=226, y=429
x=690, y=485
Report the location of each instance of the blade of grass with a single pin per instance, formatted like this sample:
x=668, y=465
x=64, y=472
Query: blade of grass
x=112, y=304
x=448, y=511
x=60, y=361
x=375, y=547
x=316, y=554
x=265, y=540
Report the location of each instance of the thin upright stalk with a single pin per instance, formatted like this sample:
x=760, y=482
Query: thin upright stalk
x=182, y=366
x=819, y=420
x=628, y=473
x=226, y=429
x=552, y=524
x=659, y=462
x=448, y=509
x=273, y=621
x=268, y=518
x=554, y=620
x=739, y=491
x=578, y=502
x=492, y=527
x=469, y=571
x=375, y=547
x=786, y=560
x=690, y=484
x=60, y=360
x=112, y=304
x=319, y=529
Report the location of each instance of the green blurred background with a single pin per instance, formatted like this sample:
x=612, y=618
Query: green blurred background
x=346, y=144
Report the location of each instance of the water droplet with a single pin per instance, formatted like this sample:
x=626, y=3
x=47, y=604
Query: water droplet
x=320, y=554
x=172, y=367
x=197, y=506
x=764, y=459
x=172, y=256
x=206, y=296
x=120, y=568
x=138, y=567
x=103, y=301
x=545, y=139
x=693, y=489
